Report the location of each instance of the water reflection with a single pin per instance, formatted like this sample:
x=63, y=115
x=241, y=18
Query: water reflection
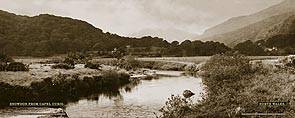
x=138, y=99
x=115, y=93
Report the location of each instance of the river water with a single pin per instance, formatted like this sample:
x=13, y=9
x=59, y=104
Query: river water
x=144, y=100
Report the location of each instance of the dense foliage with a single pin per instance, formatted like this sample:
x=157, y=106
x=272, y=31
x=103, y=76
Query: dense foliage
x=249, y=48
x=5, y=58
x=16, y=66
x=64, y=88
x=199, y=48
x=283, y=44
x=47, y=35
x=8, y=64
x=235, y=85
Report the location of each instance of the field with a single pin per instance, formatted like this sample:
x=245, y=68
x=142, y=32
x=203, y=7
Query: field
x=236, y=85
x=39, y=69
x=196, y=60
x=200, y=59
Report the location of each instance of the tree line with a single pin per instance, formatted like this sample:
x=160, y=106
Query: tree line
x=283, y=44
x=47, y=35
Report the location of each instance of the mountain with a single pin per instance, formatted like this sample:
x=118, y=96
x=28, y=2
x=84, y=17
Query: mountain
x=168, y=34
x=275, y=25
x=48, y=34
x=243, y=21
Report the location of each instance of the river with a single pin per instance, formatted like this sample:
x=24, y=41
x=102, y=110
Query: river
x=144, y=100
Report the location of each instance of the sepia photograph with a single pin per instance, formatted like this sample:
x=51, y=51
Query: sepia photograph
x=147, y=58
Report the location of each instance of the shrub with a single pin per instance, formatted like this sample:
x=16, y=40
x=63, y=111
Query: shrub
x=148, y=64
x=5, y=58
x=260, y=68
x=176, y=107
x=92, y=65
x=113, y=74
x=223, y=67
x=64, y=88
x=3, y=66
x=234, y=87
x=77, y=57
x=289, y=61
x=161, y=65
x=173, y=66
x=129, y=63
x=17, y=66
x=69, y=61
x=63, y=66
x=192, y=68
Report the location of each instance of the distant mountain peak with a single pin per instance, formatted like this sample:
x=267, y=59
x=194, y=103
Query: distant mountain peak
x=289, y=1
x=283, y=24
x=236, y=23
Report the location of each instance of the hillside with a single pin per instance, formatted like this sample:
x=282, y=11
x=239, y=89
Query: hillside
x=243, y=21
x=275, y=25
x=48, y=34
x=168, y=34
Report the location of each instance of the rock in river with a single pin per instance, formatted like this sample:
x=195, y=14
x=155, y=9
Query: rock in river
x=188, y=93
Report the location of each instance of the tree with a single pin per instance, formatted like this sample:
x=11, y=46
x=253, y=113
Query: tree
x=5, y=58
x=249, y=48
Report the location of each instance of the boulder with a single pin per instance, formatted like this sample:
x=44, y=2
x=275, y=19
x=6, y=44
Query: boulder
x=3, y=66
x=188, y=93
x=16, y=66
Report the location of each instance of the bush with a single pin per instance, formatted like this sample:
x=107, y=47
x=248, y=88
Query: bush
x=173, y=66
x=77, y=57
x=113, y=74
x=129, y=63
x=5, y=58
x=223, y=67
x=69, y=61
x=260, y=68
x=3, y=66
x=92, y=65
x=234, y=87
x=224, y=77
x=17, y=66
x=64, y=88
x=176, y=107
x=63, y=66
x=288, y=61
x=192, y=68
x=161, y=65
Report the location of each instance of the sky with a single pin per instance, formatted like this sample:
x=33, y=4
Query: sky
x=133, y=17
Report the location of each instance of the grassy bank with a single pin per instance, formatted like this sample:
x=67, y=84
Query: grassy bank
x=63, y=88
x=130, y=63
x=234, y=86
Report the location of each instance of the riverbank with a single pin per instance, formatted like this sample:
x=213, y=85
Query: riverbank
x=63, y=88
x=131, y=63
x=74, y=87
x=234, y=87
x=44, y=83
x=143, y=100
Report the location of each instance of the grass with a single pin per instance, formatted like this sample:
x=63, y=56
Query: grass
x=63, y=66
x=197, y=60
x=44, y=84
x=92, y=65
x=235, y=86
x=64, y=88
